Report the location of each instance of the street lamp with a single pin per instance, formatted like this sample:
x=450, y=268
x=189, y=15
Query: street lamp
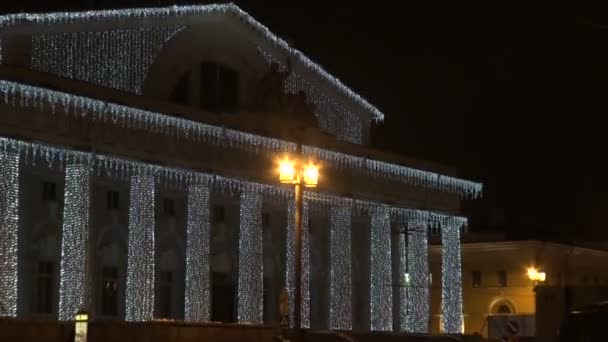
x=535, y=275
x=296, y=173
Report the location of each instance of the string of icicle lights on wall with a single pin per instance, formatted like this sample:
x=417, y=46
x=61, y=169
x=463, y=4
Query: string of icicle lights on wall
x=143, y=178
x=120, y=58
x=54, y=102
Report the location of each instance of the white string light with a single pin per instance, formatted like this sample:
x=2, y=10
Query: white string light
x=140, y=259
x=20, y=95
x=381, y=290
x=290, y=264
x=403, y=282
x=9, y=225
x=417, y=262
x=307, y=68
x=416, y=304
x=74, y=288
x=198, y=284
x=102, y=57
x=451, y=277
x=251, y=273
x=340, y=288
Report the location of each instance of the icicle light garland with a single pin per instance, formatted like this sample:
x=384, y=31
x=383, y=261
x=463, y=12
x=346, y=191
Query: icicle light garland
x=198, y=281
x=9, y=225
x=381, y=289
x=20, y=95
x=451, y=277
x=398, y=173
x=140, y=259
x=313, y=70
x=340, y=288
x=141, y=232
x=404, y=279
x=290, y=264
x=25, y=96
x=416, y=278
x=251, y=273
x=332, y=116
x=117, y=59
x=74, y=280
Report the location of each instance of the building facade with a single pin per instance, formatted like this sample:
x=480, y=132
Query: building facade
x=138, y=179
x=496, y=283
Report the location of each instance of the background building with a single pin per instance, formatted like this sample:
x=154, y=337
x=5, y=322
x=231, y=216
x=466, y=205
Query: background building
x=496, y=282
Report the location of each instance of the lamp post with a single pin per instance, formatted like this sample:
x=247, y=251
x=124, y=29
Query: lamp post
x=300, y=175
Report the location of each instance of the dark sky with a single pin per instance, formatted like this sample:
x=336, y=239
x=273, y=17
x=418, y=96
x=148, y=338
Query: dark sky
x=512, y=96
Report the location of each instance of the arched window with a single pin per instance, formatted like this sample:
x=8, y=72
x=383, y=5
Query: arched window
x=502, y=307
x=219, y=87
x=217, y=84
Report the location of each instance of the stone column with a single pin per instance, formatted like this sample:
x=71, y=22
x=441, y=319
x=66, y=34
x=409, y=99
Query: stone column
x=290, y=264
x=198, y=284
x=381, y=279
x=75, y=276
x=251, y=274
x=416, y=276
x=140, y=263
x=340, y=310
x=9, y=226
x=451, y=277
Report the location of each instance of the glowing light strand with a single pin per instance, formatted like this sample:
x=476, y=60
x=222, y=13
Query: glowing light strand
x=45, y=100
x=404, y=281
x=340, y=288
x=417, y=306
x=140, y=260
x=9, y=225
x=451, y=277
x=20, y=95
x=251, y=275
x=381, y=289
x=74, y=288
x=313, y=70
x=198, y=284
x=398, y=173
x=101, y=57
x=290, y=264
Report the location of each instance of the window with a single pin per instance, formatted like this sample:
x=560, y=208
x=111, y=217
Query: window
x=113, y=200
x=165, y=294
x=109, y=291
x=502, y=278
x=49, y=191
x=219, y=87
x=46, y=287
x=169, y=207
x=180, y=92
x=476, y=279
x=218, y=214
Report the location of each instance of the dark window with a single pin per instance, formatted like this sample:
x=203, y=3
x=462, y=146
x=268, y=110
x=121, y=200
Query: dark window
x=166, y=282
x=180, y=92
x=169, y=207
x=476, y=278
x=49, y=191
x=218, y=213
x=109, y=291
x=219, y=87
x=503, y=309
x=46, y=287
x=502, y=278
x=113, y=200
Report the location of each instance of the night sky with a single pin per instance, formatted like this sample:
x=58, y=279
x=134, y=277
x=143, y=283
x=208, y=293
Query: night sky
x=514, y=97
